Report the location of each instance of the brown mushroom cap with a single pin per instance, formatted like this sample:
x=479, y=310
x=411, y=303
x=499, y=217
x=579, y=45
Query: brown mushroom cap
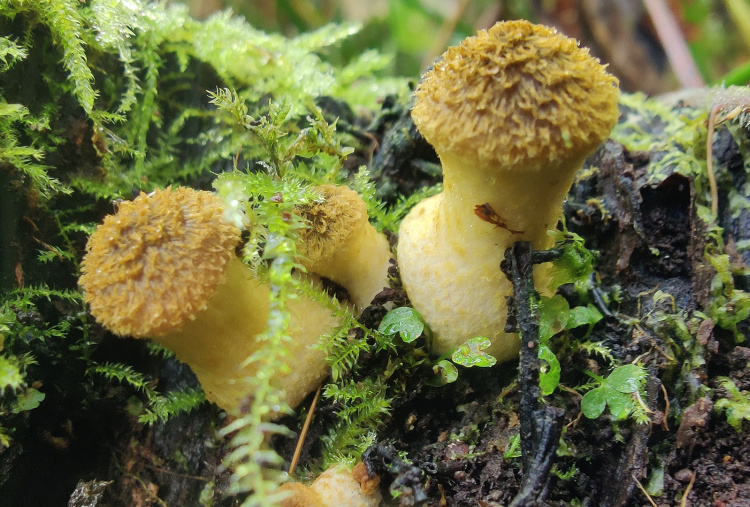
x=517, y=94
x=332, y=222
x=157, y=261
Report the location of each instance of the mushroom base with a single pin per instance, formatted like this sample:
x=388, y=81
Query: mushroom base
x=455, y=283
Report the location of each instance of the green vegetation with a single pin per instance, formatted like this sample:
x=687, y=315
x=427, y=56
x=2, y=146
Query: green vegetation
x=736, y=406
x=574, y=266
x=23, y=332
x=404, y=321
x=472, y=353
x=681, y=139
x=622, y=391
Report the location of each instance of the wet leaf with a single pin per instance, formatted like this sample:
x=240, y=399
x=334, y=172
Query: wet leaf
x=445, y=373
x=583, y=316
x=405, y=321
x=471, y=353
x=549, y=379
x=594, y=402
x=554, y=314
x=626, y=379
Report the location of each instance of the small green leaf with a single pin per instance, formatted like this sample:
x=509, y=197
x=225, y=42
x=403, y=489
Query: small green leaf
x=549, y=379
x=554, y=314
x=471, y=353
x=445, y=373
x=655, y=486
x=514, y=448
x=626, y=379
x=737, y=405
x=28, y=400
x=617, y=392
x=620, y=404
x=594, y=402
x=576, y=263
x=583, y=316
x=405, y=321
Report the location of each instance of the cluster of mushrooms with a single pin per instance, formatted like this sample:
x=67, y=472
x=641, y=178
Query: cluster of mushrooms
x=512, y=113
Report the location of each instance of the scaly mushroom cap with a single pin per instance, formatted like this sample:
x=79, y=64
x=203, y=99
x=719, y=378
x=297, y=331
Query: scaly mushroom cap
x=332, y=222
x=157, y=261
x=517, y=94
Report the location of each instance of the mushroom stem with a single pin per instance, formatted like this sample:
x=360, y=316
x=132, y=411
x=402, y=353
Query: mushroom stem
x=219, y=340
x=360, y=265
x=519, y=199
x=343, y=246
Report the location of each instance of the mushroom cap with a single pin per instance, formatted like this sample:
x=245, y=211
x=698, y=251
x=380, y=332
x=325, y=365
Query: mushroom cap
x=157, y=261
x=332, y=221
x=336, y=486
x=516, y=95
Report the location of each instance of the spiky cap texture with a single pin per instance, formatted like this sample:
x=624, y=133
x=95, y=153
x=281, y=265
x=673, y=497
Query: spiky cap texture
x=332, y=221
x=157, y=261
x=517, y=94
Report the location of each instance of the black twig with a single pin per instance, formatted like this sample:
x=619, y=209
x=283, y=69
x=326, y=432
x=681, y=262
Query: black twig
x=540, y=428
x=548, y=427
x=383, y=459
x=518, y=267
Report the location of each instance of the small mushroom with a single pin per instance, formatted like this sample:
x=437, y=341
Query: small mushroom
x=337, y=486
x=512, y=113
x=342, y=245
x=164, y=267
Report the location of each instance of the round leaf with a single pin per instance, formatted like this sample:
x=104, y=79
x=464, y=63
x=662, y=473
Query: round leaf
x=445, y=373
x=470, y=353
x=626, y=379
x=593, y=403
x=405, y=321
x=620, y=404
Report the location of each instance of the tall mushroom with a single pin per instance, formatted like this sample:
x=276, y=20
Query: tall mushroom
x=343, y=246
x=512, y=112
x=164, y=267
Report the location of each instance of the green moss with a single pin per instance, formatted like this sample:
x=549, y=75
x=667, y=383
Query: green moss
x=736, y=406
x=139, y=72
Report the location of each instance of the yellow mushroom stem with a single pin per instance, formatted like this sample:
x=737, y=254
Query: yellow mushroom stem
x=216, y=343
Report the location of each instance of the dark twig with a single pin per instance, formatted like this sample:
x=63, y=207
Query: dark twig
x=518, y=267
x=540, y=428
x=548, y=427
x=382, y=459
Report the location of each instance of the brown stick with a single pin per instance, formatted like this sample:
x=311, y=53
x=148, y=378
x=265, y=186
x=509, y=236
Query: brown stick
x=674, y=44
x=303, y=433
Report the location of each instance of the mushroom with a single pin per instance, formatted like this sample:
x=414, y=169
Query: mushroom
x=512, y=113
x=337, y=486
x=164, y=267
x=343, y=246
